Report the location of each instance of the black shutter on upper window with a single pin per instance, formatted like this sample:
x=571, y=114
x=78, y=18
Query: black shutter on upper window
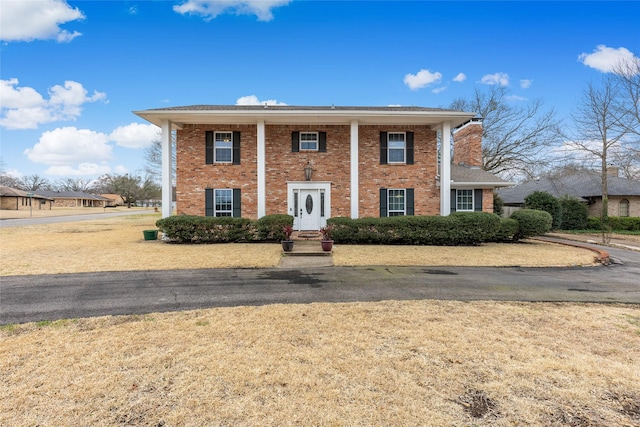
x=208, y=202
x=409, y=148
x=477, y=200
x=383, y=148
x=383, y=203
x=208, y=147
x=295, y=142
x=322, y=142
x=237, y=203
x=453, y=201
x=236, y=148
x=408, y=201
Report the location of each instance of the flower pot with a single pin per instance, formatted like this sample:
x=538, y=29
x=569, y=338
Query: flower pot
x=327, y=245
x=150, y=234
x=287, y=245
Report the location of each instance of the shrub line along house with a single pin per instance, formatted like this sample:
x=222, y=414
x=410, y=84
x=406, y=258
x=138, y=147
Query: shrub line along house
x=315, y=163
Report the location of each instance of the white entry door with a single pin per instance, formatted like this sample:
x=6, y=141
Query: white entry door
x=309, y=210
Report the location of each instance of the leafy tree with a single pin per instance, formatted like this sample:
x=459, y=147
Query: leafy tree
x=130, y=188
x=498, y=205
x=574, y=214
x=516, y=139
x=543, y=201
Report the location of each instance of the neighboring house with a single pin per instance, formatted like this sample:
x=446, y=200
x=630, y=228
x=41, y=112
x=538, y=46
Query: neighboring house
x=14, y=199
x=623, y=199
x=315, y=163
x=114, y=200
x=73, y=199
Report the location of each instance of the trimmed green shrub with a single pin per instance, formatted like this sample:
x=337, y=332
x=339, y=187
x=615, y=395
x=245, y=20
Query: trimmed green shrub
x=531, y=222
x=203, y=229
x=498, y=205
x=617, y=223
x=269, y=227
x=543, y=201
x=574, y=214
x=508, y=230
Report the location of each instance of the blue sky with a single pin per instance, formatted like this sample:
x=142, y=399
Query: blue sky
x=72, y=76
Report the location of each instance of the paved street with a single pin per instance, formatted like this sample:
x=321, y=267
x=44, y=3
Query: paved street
x=104, y=213
x=50, y=297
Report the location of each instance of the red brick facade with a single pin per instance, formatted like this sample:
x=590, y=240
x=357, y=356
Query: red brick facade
x=468, y=144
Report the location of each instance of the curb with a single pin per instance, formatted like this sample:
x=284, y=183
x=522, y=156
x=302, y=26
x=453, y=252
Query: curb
x=601, y=257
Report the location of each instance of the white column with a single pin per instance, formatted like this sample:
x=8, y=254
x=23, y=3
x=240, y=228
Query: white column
x=167, y=188
x=445, y=170
x=261, y=170
x=355, y=178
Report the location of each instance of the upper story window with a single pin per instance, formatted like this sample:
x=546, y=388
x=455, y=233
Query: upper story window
x=464, y=200
x=396, y=144
x=308, y=141
x=223, y=147
x=396, y=204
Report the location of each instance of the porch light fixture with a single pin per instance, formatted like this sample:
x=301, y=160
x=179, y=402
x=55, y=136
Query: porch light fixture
x=308, y=171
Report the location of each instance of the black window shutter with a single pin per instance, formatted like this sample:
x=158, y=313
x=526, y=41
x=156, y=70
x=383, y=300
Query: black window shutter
x=409, y=148
x=237, y=203
x=295, y=142
x=477, y=200
x=322, y=142
x=408, y=200
x=383, y=148
x=209, y=147
x=236, y=148
x=383, y=203
x=208, y=202
x=454, y=201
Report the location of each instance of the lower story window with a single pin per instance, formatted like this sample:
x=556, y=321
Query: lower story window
x=396, y=204
x=624, y=207
x=223, y=202
x=464, y=200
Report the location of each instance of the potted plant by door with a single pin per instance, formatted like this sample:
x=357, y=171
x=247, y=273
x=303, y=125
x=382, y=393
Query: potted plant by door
x=327, y=241
x=287, y=243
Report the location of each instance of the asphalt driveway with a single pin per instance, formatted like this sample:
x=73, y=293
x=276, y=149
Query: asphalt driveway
x=51, y=297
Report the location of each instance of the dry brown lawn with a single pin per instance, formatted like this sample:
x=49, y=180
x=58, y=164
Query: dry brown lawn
x=409, y=363
x=117, y=244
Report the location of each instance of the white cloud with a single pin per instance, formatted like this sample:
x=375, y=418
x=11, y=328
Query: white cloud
x=526, y=83
x=23, y=20
x=13, y=173
x=460, y=78
x=501, y=79
x=25, y=108
x=210, y=9
x=439, y=89
x=83, y=169
x=120, y=170
x=134, y=135
x=605, y=58
x=422, y=79
x=516, y=98
x=69, y=146
x=253, y=100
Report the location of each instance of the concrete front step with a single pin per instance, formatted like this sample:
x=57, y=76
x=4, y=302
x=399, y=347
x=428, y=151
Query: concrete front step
x=307, y=248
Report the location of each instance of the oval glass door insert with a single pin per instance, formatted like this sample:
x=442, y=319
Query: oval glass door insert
x=309, y=204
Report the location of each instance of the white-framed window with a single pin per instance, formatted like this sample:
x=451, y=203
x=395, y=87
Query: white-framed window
x=223, y=147
x=396, y=205
x=308, y=141
x=396, y=147
x=624, y=208
x=223, y=199
x=464, y=200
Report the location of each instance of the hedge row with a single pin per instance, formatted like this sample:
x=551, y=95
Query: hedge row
x=460, y=228
x=616, y=223
x=206, y=229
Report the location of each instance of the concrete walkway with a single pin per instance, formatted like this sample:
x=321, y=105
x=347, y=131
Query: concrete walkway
x=306, y=253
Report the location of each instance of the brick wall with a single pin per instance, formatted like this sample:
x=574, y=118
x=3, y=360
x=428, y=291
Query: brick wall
x=467, y=147
x=595, y=209
x=283, y=165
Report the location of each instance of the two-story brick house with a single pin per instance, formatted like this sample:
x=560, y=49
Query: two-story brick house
x=320, y=162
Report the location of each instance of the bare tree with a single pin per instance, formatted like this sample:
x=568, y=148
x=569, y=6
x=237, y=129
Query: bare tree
x=601, y=126
x=131, y=188
x=516, y=139
x=628, y=74
x=73, y=184
x=33, y=183
x=153, y=157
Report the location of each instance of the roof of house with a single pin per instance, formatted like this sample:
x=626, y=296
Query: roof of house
x=14, y=192
x=472, y=176
x=582, y=185
x=289, y=114
x=72, y=195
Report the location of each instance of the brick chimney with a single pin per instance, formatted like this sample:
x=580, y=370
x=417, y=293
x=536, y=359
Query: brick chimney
x=467, y=143
x=613, y=171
